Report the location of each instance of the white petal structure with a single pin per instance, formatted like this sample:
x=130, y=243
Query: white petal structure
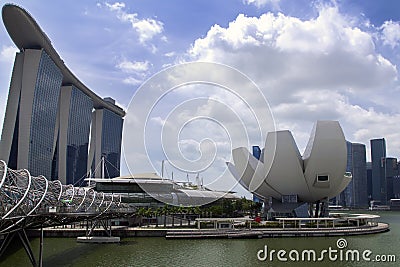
x=318, y=175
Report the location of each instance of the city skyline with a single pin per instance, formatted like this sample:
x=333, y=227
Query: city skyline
x=326, y=60
x=376, y=180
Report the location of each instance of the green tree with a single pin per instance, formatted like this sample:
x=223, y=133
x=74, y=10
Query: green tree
x=180, y=210
x=173, y=211
x=148, y=213
x=157, y=213
x=165, y=211
x=140, y=213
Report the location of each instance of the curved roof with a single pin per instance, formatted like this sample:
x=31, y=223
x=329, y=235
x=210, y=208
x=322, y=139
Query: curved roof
x=289, y=173
x=26, y=34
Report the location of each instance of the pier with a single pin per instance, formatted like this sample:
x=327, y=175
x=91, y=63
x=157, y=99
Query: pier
x=277, y=232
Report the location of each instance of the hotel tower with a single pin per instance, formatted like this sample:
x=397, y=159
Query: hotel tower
x=54, y=125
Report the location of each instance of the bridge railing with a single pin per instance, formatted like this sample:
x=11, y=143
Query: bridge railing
x=26, y=200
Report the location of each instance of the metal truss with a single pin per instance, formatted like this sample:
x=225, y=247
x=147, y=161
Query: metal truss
x=35, y=202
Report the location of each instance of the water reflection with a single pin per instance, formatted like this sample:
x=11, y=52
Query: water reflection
x=156, y=251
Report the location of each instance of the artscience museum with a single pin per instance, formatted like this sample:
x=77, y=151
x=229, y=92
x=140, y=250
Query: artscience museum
x=287, y=180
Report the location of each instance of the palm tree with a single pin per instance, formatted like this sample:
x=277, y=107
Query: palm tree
x=173, y=211
x=148, y=213
x=157, y=212
x=189, y=211
x=197, y=211
x=165, y=211
x=141, y=211
x=180, y=210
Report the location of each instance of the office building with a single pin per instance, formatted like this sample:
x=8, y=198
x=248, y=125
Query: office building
x=391, y=174
x=378, y=153
x=356, y=193
x=396, y=184
x=31, y=112
x=49, y=113
x=369, y=180
x=257, y=152
x=257, y=155
x=73, y=137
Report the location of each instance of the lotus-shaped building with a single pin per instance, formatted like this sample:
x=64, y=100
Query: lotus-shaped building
x=283, y=174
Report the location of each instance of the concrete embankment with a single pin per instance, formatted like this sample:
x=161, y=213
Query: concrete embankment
x=176, y=233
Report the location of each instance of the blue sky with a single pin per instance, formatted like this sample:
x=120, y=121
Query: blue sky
x=311, y=59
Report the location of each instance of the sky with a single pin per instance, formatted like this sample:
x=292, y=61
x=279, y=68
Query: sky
x=290, y=63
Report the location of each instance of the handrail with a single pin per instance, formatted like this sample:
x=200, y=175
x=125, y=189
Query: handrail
x=26, y=200
x=23, y=197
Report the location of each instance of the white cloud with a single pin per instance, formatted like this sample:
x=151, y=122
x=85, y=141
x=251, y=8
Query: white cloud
x=192, y=124
x=390, y=33
x=261, y=3
x=117, y=6
x=132, y=81
x=133, y=67
x=170, y=54
x=147, y=28
x=288, y=53
x=137, y=70
x=309, y=69
x=7, y=53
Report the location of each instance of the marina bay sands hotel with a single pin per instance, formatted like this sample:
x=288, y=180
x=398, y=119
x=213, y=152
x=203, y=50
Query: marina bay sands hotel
x=54, y=125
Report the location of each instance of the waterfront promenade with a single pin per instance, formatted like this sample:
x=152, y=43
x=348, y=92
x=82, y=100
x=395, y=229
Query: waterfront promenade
x=193, y=233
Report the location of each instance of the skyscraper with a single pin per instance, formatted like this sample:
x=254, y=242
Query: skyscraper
x=391, y=172
x=105, y=144
x=356, y=193
x=49, y=111
x=396, y=182
x=359, y=171
x=257, y=152
x=369, y=180
x=27, y=140
x=75, y=116
x=378, y=154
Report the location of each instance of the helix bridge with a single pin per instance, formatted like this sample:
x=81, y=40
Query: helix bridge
x=28, y=202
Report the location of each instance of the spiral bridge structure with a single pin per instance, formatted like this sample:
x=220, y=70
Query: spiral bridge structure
x=35, y=202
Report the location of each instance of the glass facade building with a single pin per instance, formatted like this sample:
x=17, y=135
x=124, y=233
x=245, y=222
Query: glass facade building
x=48, y=120
x=111, y=143
x=369, y=180
x=257, y=155
x=391, y=173
x=356, y=193
x=378, y=154
x=47, y=126
x=44, y=115
x=79, y=119
x=105, y=144
x=346, y=198
x=257, y=152
x=32, y=113
x=396, y=183
x=359, y=171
